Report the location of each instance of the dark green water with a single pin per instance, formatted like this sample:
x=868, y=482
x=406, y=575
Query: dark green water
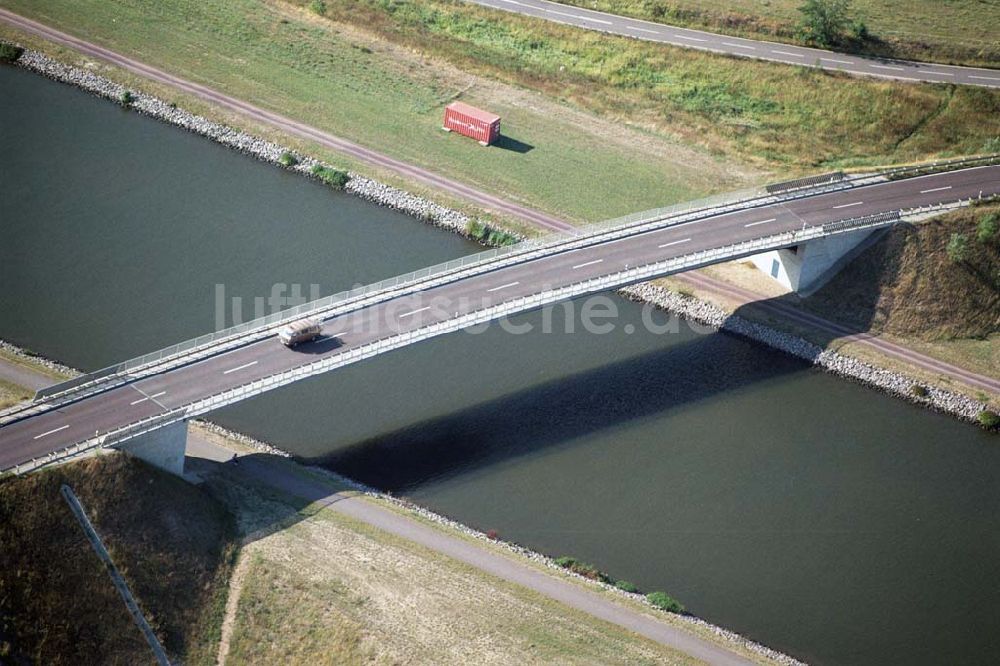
x=812, y=514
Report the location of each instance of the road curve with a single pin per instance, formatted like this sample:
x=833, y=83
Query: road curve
x=789, y=54
x=296, y=128
x=176, y=388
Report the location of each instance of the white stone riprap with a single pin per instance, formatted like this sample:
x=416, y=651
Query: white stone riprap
x=31, y=357
x=894, y=383
x=266, y=151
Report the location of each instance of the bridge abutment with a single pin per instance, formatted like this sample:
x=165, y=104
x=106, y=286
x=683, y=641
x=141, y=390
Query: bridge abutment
x=807, y=267
x=162, y=448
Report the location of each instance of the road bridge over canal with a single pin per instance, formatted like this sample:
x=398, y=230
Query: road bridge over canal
x=144, y=403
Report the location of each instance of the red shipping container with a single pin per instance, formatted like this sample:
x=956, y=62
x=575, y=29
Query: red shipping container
x=482, y=126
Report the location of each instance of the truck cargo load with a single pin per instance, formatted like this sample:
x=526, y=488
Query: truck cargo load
x=469, y=121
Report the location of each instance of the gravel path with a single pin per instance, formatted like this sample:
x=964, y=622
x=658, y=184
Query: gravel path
x=494, y=564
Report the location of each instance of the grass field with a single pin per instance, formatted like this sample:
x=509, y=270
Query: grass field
x=780, y=117
x=326, y=588
x=670, y=124
x=171, y=541
x=11, y=394
x=955, y=31
x=332, y=590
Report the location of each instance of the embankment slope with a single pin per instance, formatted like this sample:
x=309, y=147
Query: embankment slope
x=171, y=540
x=909, y=285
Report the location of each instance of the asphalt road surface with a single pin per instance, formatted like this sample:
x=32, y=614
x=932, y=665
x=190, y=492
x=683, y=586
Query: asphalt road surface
x=885, y=68
x=53, y=430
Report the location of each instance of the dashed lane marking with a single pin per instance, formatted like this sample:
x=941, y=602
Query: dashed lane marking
x=44, y=434
x=504, y=286
x=239, y=367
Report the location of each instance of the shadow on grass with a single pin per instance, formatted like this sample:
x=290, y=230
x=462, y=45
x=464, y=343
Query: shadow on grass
x=507, y=143
x=266, y=492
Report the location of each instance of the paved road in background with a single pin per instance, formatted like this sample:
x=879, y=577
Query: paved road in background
x=293, y=127
x=886, y=68
x=53, y=430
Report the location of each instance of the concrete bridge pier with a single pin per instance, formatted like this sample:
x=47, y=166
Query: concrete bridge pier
x=807, y=267
x=163, y=448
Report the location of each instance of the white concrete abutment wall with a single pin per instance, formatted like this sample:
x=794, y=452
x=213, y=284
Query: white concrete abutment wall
x=808, y=266
x=163, y=448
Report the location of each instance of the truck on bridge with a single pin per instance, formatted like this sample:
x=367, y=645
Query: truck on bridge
x=303, y=330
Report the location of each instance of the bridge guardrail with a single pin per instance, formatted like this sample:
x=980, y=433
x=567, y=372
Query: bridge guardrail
x=808, y=181
x=212, y=343
x=521, y=304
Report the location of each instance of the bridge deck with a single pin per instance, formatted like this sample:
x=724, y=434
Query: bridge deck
x=41, y=434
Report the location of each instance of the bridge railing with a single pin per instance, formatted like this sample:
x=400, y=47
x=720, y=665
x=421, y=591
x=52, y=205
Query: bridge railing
x=212, y=343
x=488, y=313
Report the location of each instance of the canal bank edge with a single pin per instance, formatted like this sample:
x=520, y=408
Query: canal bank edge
x=891, y=382
x=265, y=151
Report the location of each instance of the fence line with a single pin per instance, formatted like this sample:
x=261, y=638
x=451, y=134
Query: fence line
x=102, y=553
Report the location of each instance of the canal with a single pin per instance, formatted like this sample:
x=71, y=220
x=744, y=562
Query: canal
x=815, y=515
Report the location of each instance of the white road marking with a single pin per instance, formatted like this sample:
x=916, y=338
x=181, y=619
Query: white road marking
x=754, y=224
x=739, y=46
x=241, y=367
x=984, y=78
x=856, y=203
x=148, y=397
x=652, y=32
x=898, y=69
x=690, y=39
x=589, y=263
x=935, y=189
x=842, y=62
x=413, y=312
x=504, y=286
x=927, y=71
x=51, y=431
x=576, y=16
x=788, y=53
x=675, y=242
